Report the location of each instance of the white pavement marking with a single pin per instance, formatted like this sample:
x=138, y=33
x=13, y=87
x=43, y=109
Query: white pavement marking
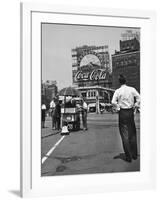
x=52, y=149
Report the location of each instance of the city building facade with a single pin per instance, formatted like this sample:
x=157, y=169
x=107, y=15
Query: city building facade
x=49, y=90
x=91, y=73
x=127, y=62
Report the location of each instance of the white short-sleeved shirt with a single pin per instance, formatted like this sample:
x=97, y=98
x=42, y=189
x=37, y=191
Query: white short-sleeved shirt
x=125, y=97
x=52, y=104
x=43, y=107
x=85, y=105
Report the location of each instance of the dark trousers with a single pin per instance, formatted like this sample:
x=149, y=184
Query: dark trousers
x=43, y=118
x=127, y=130
x=57, y=123
x=53, y=118
x=84, y=119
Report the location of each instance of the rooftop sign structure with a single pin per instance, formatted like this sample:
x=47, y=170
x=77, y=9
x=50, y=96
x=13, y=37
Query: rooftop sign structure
x=129, y=35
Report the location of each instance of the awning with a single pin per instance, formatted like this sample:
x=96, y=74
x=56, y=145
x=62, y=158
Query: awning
x=102, y=104
x=91, y=105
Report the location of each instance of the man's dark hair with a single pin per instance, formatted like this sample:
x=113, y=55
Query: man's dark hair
x=122, y=79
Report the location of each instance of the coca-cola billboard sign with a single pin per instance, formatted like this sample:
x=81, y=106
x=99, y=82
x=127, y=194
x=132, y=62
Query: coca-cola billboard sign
x=94, y=75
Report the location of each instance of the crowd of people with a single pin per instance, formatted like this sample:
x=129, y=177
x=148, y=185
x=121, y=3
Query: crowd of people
x=55, y=113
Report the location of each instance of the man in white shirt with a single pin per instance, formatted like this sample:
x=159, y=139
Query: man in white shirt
x=52, y=107
x=126, y=99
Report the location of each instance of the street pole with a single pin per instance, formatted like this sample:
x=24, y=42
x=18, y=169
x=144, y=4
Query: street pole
x=97, y=102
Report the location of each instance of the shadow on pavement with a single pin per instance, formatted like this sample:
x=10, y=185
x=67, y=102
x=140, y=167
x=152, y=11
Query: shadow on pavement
x=120, y=156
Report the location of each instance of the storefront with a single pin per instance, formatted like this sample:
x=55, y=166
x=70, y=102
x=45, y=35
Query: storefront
x=96, y=97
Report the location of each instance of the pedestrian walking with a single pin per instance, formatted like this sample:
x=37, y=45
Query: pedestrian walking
x=84, y=115
x=43, y=115
x=52, y=107
x=126, y=99
x=57, y=115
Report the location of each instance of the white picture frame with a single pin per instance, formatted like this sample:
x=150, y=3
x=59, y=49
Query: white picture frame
x=32, y=184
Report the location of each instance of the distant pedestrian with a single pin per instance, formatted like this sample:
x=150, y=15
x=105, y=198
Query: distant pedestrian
x=52, y=108
x=43, y=115
x=84, y=115
x=57, y=115
x=126, y=99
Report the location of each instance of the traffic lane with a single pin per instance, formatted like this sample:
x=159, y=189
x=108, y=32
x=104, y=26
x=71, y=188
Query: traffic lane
x=85, y=161
x=88, y=152
x=50, y=137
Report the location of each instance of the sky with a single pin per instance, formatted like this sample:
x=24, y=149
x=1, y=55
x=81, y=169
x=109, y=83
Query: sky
x=58, y=40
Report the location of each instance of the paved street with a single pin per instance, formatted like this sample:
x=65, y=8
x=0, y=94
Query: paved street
x=97, y=150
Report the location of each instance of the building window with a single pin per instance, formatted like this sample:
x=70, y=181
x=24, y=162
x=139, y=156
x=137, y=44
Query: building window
x=91, y=93
x=88, y=94
x=84, y=94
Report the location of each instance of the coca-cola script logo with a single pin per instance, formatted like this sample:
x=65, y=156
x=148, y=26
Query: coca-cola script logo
x=97, y=74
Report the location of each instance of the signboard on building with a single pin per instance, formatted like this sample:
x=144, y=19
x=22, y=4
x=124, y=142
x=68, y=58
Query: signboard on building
x=91, y=65
x=93, y=75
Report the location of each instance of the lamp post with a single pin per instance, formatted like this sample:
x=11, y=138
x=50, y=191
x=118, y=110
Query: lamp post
x=97, y=102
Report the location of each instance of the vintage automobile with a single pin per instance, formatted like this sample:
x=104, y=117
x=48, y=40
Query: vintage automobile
x=92, y=107
x=70, y=113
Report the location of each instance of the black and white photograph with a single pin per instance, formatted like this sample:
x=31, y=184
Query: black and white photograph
x=90, y=99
